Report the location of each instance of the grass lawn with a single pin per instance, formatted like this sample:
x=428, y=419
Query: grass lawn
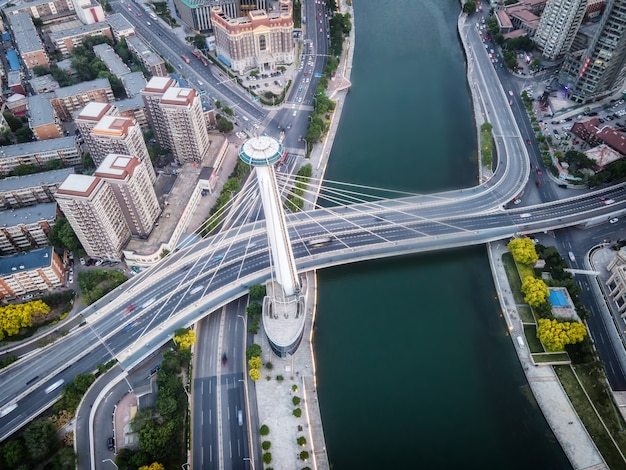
x=551, y=357
x=590, y=419
x=513, y=276
x=530, y=332
x=526, y=314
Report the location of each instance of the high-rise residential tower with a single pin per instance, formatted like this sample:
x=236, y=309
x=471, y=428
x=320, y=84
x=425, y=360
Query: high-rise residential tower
x=94, y=213
x=130, y=181
x=600, y=69
x=558, y=26
x=152, y=94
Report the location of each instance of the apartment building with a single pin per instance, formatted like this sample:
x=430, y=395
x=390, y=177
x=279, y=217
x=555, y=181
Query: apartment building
x=87, y=118
x=29, y=190
x=558, y=26
x=27, y=41
x=24, y=273
x=197, y=13
x=258, y=40
x=45, y=10
x=151, y=95
x=65, y=40
x=185, y=123
x=120, y=26
x=42, y=118
x=91, y=208
x=25, y=228
x=39, y=154
x=152, y=61
x=134, y=108
x=113, y=134
x=68, y=99
x=130, y=180
x=600, y=69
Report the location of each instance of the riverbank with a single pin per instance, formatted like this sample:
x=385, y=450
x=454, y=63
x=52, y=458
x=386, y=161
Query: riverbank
x=544, y=383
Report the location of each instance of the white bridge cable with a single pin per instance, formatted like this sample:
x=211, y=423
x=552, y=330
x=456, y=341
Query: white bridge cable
x=393, y=223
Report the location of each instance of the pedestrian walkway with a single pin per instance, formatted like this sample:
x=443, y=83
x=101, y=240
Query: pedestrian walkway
x=546, y=387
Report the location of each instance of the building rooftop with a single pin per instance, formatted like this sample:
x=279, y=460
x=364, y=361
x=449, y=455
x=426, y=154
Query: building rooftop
x=83, y=29
x=114, y=62
x=112, y=125
x=21, y=22
x=14, y=77
x=144, y=51
x=133, y=83
x=28, y=215
x=24, y=33
x=35, y=259
x=129, y=104
x=97, y=84
x=93, y=111
x=159, y=84
x=44, y=83
x=118, y=22
x=80, y=185
x=117, y=166
x=178, y=96
x=40, y=109
x=37, y=179
x=37, y=146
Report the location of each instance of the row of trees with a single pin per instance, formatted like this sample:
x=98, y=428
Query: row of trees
x=161, y=429
x=294, y=201
x=14, y=317
x=555, y=335
x=253, y=355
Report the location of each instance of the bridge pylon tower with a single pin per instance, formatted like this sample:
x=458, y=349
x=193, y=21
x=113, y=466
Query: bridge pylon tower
x=284, y=306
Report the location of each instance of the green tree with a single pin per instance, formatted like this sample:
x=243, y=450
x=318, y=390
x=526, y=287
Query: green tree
x=304, y=455
x=266, y=445
x=13, y=122
x=254, y=310
x=107, y=7
x=301, y=441
x=257, y=291
x=267, y=458
x=469, y=7
x=297, y=412
x=535, y=291
x=65, y=459
x=62, y=235
x=264, y=430
x=199, y=41
x=40, y=439
x=253, y=350
x=224, y=125
x=154, y=438
x=523, y=250
x=24, y=135
x=295, y=400
x=14, y=453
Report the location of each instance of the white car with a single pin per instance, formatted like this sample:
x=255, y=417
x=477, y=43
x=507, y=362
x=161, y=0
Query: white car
x=70, y=279
x=82, y=261
x=614, y=220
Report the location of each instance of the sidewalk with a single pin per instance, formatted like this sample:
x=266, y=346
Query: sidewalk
x=546, y=387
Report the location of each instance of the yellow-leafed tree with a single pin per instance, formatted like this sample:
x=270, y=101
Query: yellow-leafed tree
x=153, y=466
x=523, y=250
x=555, y=335
x=255, y=374
x=255, y=362
x=535, y=291
x=184, y=338
x=14, y=317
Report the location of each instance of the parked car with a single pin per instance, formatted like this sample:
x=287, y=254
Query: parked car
x=82, y=261
x=110, y=443
x=614, y=220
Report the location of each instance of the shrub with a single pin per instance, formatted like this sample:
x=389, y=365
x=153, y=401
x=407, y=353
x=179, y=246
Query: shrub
x=304, y=455
x=294, y=388
x=296, y=401
x=280, y=378
x=301, y=441
x=267, y=457
x=269, y=366
x=297, y=412
x=266, y=445
x=265, y=430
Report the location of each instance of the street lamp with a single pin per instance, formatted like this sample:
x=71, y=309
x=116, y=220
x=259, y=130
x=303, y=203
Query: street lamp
x=109, y=460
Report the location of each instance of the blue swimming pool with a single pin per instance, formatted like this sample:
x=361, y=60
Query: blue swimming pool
x=558, y=299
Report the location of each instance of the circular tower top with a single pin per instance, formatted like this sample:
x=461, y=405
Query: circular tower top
x=261, y=151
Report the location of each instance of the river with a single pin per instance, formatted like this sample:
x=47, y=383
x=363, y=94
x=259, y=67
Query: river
x=415, y=368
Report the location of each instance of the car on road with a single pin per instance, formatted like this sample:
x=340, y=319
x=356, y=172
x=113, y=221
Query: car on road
x=539, y=172
x=528, y=142
x=70, y=279
x=224, y=359
x=614, y=220
x=111, y=443
x=538, y=183
x=608, y=202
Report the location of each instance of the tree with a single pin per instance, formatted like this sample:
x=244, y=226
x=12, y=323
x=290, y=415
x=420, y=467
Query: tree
x=253, y=350
x=535, y=291
x=469, y=7
x=257, y=291
x=62, y=235
x=555, y=335
x=304, y=455
x=153, y=466
x=297, y=412
x=65, y=459
x=224, y=125
x=107, y=7
x=40, y=438
x=14, y=453
x=255, y=374
x=523, y=250
x=153, y=439
x=264, y=430
x=254, y=310
x=301, y=441
x=13, y=122
x=184, y=338
x=199, y=41
x=267, y=458
x=295, y=400
x=266, y=445
x=255, y=362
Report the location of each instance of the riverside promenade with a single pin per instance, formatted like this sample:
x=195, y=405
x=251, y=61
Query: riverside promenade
x=545, y=385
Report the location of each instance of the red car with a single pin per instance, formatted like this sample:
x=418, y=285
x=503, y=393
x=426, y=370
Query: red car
x=539, y=172
x=528, y=142
x=538, y=183
x=224, y=359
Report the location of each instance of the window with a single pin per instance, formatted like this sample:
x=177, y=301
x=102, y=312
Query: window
x=262, y=43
